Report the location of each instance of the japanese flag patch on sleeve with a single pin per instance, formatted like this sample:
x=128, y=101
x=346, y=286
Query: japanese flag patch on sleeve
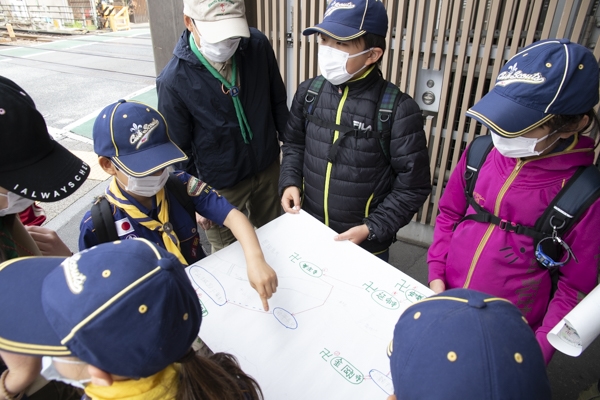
x=123, y=227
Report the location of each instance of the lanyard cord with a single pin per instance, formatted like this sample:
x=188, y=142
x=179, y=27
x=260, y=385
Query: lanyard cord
x=233, y=90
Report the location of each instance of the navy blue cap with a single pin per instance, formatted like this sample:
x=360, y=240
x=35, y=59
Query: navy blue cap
x=126, y=307
x=347, y=20
x=463, y=344
x=136, y=137
x=550, y=77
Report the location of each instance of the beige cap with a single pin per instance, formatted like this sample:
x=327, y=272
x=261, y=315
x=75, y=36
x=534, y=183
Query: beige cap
x=218, y=20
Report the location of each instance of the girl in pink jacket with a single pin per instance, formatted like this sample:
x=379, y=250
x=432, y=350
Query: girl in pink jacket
x=538, y=112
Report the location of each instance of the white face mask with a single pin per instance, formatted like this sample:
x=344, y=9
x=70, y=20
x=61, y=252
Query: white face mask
x=50, y=372
x=15, y=204
x=147, y=186
x=519, y=147
x=220, y=51
x=332, y=63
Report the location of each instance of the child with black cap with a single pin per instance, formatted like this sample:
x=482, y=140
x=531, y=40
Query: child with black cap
x=538, y=111
x=120, y=318
x=133, y=145
x=464, y=344
x=362, y=173
x=32, y=167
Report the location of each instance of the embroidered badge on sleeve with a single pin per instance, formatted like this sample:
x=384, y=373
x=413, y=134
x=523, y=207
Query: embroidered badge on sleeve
x=195, y=186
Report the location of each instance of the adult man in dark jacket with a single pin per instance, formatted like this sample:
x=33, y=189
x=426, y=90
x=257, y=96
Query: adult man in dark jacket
x=224, y=101
x=369, y=188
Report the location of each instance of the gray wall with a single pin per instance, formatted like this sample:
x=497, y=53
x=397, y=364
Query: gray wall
x=166, y=26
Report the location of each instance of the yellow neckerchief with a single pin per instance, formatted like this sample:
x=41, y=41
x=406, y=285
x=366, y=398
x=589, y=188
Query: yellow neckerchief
x=160, y=386
x=169, y=237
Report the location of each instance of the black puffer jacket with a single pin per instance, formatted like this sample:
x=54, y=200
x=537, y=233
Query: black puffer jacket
x=361, y=183
x=202, y=120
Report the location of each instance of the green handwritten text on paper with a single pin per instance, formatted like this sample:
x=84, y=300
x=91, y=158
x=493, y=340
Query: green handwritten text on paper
x=310, y=269
x=347, y=370
x=204, y=310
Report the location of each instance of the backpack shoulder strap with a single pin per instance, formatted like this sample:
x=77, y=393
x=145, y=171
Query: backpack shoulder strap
x=571, y=202
x=386, y=108
x=312, y=95
x=103, y=220
x=476, y=155
x=179, y=190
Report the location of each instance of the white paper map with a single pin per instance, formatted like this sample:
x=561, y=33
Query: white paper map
x=329, y=324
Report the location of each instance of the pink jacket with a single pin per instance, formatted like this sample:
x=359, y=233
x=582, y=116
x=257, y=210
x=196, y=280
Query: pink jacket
x=483, y=257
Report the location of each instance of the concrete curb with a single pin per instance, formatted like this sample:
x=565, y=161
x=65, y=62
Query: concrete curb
x=82, y=203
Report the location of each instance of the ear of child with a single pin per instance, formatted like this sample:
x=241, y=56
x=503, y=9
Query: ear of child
x=107, y=165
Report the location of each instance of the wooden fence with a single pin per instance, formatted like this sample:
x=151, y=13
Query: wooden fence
x=444, y=53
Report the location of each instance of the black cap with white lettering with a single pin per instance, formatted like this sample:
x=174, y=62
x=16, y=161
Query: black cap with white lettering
x=32, y=164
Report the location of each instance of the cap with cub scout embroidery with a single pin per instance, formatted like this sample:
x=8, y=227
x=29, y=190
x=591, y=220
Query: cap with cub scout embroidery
x=126, y=307
x=547, y=78
x=136, y=138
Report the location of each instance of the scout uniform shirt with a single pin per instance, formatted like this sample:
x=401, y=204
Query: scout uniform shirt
x=207, y=202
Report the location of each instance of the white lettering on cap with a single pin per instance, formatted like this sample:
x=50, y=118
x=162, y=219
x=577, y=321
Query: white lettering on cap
x=75, y=279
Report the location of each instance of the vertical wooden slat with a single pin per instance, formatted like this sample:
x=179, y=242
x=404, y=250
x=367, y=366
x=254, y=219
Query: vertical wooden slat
x=268, y=27
x=282, y=36
x=390, y=8
x=580, y=21
x=260, y=17
x=549, y=17
x=295, y=61
x=428, y=129
x=441, y=36
x=304, y=59
x=597, y=50
x=564, y=20
x=433, y=9
x=502, y=38
x=396, y=64
x=416, y=48
x=535, y=15
x=312, y=39
x=519, y=22
x=408, y=42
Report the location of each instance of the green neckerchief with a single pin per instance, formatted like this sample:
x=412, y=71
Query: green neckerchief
x=233, y=90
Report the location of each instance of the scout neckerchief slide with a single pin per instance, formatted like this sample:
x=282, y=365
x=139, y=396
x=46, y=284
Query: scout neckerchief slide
x=232, y=90
x=169, y=237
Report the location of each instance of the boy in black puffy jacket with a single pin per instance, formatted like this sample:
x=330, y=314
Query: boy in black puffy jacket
x=354, y=151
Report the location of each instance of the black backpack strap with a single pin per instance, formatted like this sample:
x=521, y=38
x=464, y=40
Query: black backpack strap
x=386, y=109
x=476, y=155
x=179, y=190
x=312, y=95
x=103, y=220
x=567, y=207
x=572, y=201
